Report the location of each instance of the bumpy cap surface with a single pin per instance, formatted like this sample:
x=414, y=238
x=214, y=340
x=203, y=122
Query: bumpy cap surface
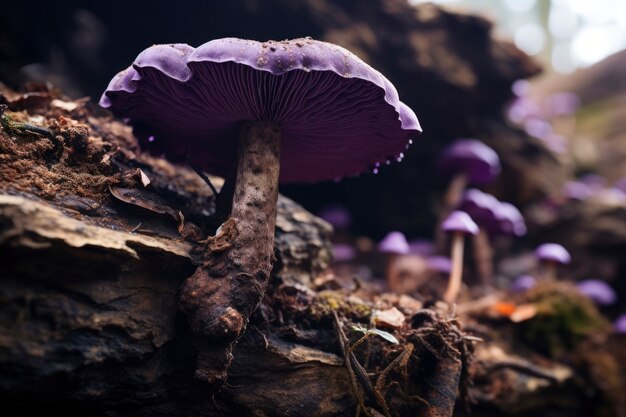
x=459, y=221
x=553, y=252
x=338, y=116
x=394, y=242
x=473, y=158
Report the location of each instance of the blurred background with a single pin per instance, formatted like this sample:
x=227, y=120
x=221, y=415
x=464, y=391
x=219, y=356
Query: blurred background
x=457, y=63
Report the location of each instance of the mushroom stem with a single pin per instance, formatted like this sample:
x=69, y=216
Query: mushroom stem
x=454, y=281
x=222, y=293
x=549, y=270
x=483, y=256
x=451, y=200
x=391, y=271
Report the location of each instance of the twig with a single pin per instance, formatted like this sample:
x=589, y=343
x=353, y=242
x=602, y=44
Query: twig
x=204, y=177
x=525, y=368
x=347, y=355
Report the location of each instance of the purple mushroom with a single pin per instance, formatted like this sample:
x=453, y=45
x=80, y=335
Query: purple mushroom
x=551, y=255
x=595, y=182
x=441, y=264
x=458, y=224
x=343, y=252
x=510, y=220
x=257, y=113
x=521, y=88
x=620, y=184
x=393, y=245
x=521, y=109
x=620, y=324
x=337, y=215
x=493, y=218
x=576, y=190
x=523, y=283
x=561, y=104
x=599, y=291
x=468, y=161
x=538, y=127
x=421, y=247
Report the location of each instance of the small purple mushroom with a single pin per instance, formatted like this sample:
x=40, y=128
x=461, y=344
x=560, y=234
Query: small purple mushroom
x=620, y=184
x=257, y=113
x=523, y=283
x=393, y=245
x=522, y=109
x=595, y=182
x=342, y=252
x=599, y=291
x=441, y=264
x=521, y=88
x=394, y=242
x=459, y=224
x=337, y=215
x=510, y=220
x=620, y=324
x=469, y=161
x=561, y=104
x=493, y=218
x=421, y=247
x=576, y=190
x=551, y=255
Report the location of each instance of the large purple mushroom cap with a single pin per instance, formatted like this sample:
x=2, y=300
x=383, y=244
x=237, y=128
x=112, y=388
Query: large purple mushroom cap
x=338, y=116
x=599, y=291
x=459, y=221
x=553, y=252
x=394, y=242
x=472, y=158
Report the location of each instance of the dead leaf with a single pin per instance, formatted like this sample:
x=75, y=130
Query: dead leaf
x=144, y=199
x=523, y=312
x=391, y=318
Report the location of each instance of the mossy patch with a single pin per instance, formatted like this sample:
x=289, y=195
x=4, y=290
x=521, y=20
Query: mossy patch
x=564, y=319
x=326, y=301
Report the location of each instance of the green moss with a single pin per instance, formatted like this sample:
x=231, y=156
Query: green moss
x=327, y=301
x=564, y=319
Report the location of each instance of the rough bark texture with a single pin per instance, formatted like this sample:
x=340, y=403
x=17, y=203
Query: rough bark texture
x=222, y=294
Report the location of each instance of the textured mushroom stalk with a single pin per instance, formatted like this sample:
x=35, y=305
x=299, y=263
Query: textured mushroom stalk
x=483, y=254
x=549, y=270
x=221, y=295
x=454, y=193
x=454, y=282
